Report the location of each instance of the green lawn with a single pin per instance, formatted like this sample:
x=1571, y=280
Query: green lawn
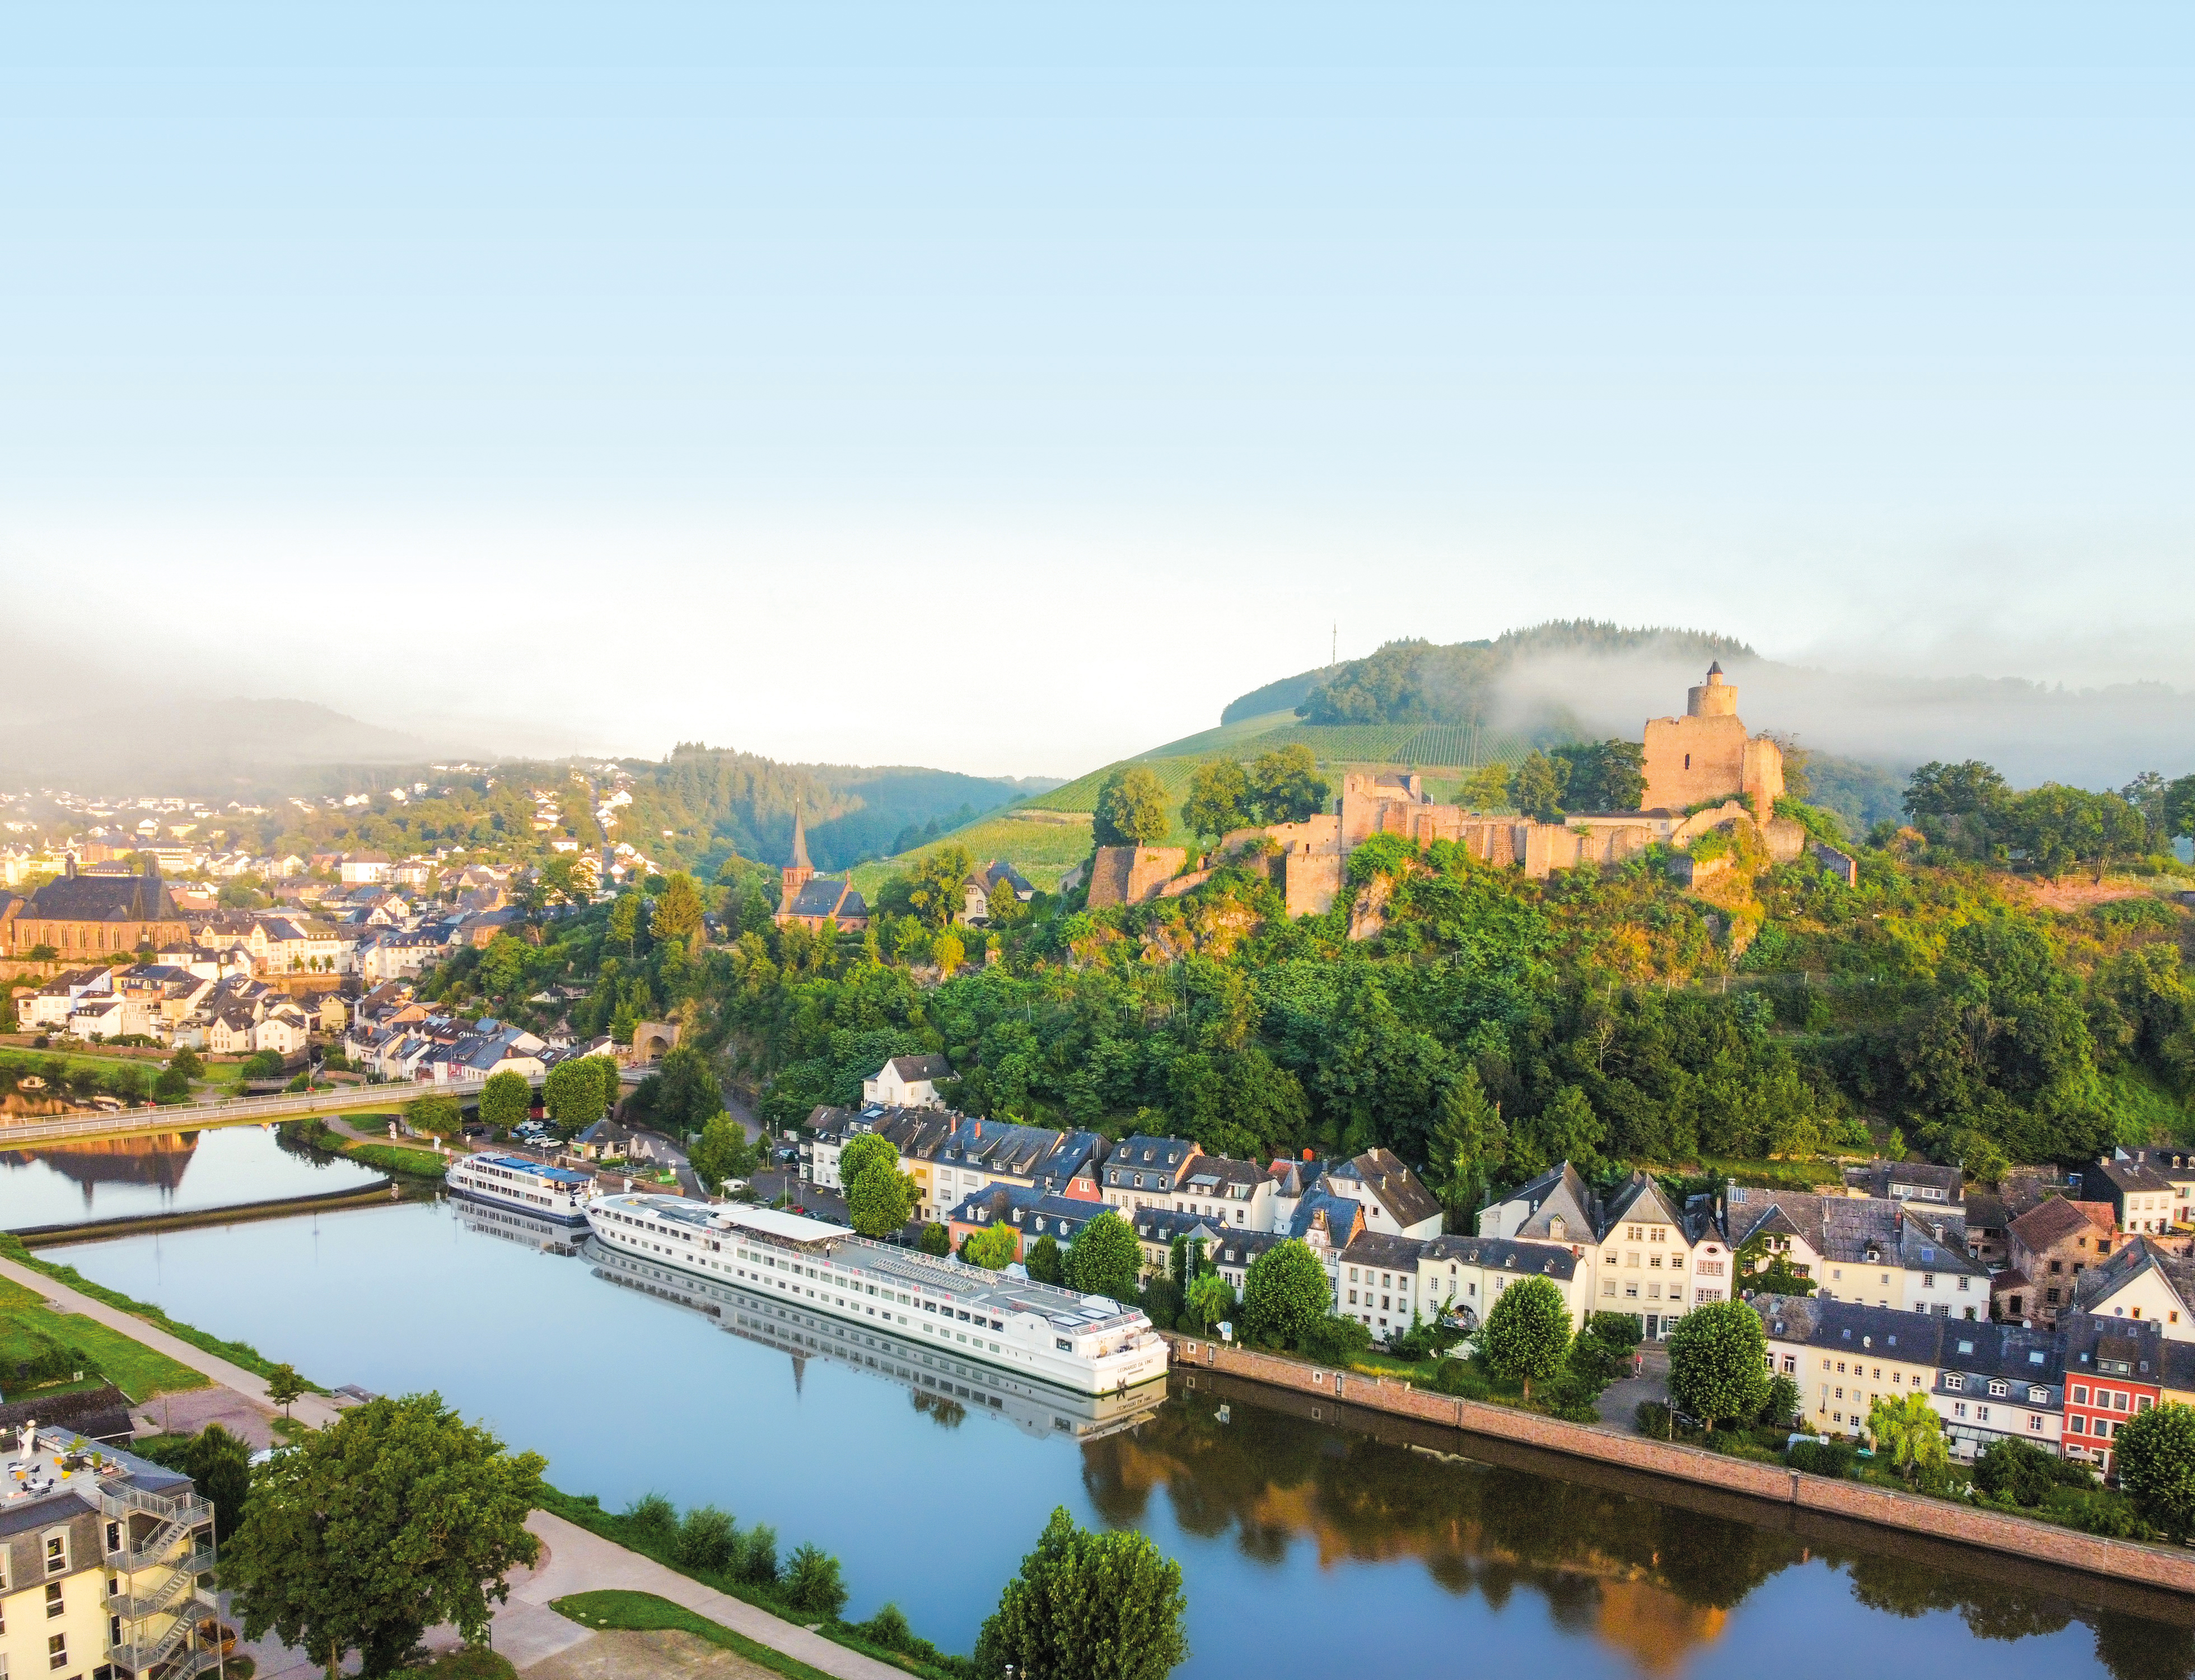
x=28, y=1325
x=643, y=1612
x=1043, y=845
x=131, y=1355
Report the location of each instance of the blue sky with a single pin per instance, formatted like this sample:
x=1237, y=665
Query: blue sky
x=1002, y=389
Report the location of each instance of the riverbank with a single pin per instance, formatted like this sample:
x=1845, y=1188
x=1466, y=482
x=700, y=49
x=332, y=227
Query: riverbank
x=1991, y=1531
x=233, y=1365
x=381, y=1190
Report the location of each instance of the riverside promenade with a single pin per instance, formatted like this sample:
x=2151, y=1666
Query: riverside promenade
x=529, y=1634
x=312, y=1409
x=2171, y=1569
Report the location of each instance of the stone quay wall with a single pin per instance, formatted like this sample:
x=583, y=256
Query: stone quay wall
x=1939, y=1519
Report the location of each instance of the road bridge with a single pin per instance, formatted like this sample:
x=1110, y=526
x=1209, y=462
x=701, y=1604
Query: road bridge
x=245, y=1110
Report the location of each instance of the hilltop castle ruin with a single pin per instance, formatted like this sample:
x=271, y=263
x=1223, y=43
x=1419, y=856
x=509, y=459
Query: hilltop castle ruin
x=1704, y=759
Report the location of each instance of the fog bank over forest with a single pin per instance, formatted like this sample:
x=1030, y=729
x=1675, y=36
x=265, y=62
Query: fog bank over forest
x=1580, y=678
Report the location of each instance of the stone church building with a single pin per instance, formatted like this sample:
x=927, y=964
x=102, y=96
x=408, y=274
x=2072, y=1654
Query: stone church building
x=85, y=916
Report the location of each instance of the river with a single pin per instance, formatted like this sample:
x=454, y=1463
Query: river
x=1309, y=1548
x=168, y=1172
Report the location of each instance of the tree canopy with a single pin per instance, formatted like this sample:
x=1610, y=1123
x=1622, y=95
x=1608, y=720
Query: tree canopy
x=1085, y=1606
x=1132, y=808
x=1285, y=1292
x=2156, y=1458
x=505, y=1100
x=1105, y=1258
x=880, y=1197
x=362, y=1536
x=1717, y=1369
x=1527, y=1332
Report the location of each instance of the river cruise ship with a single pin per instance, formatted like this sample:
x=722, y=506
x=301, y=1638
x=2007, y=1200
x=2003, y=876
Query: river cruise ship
x=1084, y=1343
x=551, y=1192
x=948, y=1387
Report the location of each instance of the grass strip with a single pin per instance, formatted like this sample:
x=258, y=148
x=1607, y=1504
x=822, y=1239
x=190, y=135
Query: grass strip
x=26, y=1323
x=644, y=1612
x=585, y=1511
x=382, y=1157
x=236, y=1353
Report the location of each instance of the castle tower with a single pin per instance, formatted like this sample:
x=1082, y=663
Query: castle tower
x=1715, y=698
x=1706, y=755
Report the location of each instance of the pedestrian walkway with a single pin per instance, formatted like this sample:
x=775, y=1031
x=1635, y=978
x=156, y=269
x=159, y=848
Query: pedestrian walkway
x=311, y=1409
x=580, y=1561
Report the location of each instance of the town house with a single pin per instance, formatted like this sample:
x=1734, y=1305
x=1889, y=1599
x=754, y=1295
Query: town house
x=2048, y=1249
x=1844, y=1355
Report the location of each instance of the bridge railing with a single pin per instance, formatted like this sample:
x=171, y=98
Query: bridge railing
x=189, y=1117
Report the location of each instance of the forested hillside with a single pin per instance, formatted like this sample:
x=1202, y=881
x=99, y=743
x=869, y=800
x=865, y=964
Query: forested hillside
x=1492, y=1024
x=692, y=809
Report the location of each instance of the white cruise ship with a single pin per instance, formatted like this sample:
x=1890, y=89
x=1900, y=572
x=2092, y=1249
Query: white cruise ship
x=1084, y=1343
x=551, y=1192
x=946, y=1387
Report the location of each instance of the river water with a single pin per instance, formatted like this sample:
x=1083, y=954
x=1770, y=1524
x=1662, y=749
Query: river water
x=170, y=1172
x=1309, y=1546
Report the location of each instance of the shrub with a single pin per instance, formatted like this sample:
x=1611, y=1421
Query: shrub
x=2024, y=1474
x=1460, y=1376
x=1653, y=1418
x=653, y=1518
x=1782, y=1405
x=1831, y=1458
x=1161, y=1302
x=936, y=1239
x=758, y=1554
x=707, y=1540
x=1620, y=1331
x=812, y=1583
x=1335, y=1341
x=889, y=1629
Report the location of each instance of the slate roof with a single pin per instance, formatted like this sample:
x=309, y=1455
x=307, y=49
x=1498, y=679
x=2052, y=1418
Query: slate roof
x=914, y=1068
x=2108, y=1277
x=1510, y=1254
x=1854, y=1327
x=2009, y=1351
x=1393, y=1184
x=101, y=898
x=820, y=895
x=2133, y=1178
x=1879, y=1177
x=1159, y=1160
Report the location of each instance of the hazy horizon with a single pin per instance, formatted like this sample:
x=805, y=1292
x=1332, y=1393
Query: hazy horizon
x=1007, y=392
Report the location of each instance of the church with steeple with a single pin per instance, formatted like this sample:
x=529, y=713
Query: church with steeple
x=816, y=902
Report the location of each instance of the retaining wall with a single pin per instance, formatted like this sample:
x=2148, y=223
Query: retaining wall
x=1939, y=1519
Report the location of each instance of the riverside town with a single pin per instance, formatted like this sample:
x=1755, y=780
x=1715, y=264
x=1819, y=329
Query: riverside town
x=1617, y=1135
x=1233, y=843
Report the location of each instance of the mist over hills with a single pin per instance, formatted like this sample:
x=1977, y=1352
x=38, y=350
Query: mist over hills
x=1568, y=679
x=194, y=746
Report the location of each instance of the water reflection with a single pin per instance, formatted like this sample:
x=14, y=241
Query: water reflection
x=170, y=1172
x=1651, y=1570
x=945, y=1387
x=1310, y=1545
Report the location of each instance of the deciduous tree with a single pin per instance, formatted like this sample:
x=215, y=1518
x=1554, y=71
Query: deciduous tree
x=1132, y=808
x=505, y=1100
x=1209, y=1300
x=1528, y=1332
x=1105, y=1258
x=992, y=1248
x=435, y=1115
x=2156, y=1453
x=1285, y=785
x=284, y=1386
x=880, y=1197
x=572, y=1094
x=1538, y=787
x=1284, y=1293
x=1106, y=1606
x=1717, y=1362
x=1219, y=800
x=1907, y=1428
x=362, y=1536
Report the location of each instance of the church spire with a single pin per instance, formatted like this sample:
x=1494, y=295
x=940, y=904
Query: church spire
x=799, y=840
